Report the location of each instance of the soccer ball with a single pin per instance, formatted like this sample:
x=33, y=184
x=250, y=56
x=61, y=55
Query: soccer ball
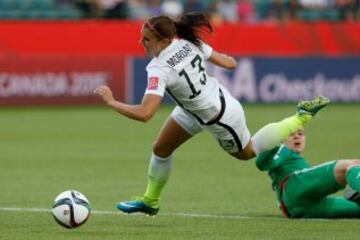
x=71, y=209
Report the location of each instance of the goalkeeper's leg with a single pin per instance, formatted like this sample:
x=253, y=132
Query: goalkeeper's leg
x=347, y=172
x=332, y=207
x=274, y=134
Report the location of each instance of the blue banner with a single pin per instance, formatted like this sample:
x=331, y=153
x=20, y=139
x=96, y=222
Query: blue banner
x=271, y=80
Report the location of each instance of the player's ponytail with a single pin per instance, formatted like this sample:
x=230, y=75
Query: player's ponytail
x=189, y=27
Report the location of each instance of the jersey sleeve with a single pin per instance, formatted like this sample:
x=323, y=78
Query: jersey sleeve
x=263, y=160
x=272, y=159
x=156, y=82
x=207, y=50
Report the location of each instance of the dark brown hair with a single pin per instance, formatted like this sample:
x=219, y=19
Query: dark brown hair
x=189, y=26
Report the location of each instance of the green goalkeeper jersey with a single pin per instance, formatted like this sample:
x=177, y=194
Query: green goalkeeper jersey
x=280, y=162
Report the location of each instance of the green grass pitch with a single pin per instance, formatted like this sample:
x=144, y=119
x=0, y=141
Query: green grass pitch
x=210, y=195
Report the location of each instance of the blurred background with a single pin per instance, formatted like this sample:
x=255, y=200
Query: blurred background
x=56, y=135
x=58, y=51
x=233, y=11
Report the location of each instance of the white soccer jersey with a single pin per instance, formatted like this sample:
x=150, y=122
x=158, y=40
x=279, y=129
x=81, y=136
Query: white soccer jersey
x=180, y=71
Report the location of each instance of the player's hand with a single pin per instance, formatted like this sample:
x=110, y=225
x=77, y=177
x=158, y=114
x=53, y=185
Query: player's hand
x=105, y=93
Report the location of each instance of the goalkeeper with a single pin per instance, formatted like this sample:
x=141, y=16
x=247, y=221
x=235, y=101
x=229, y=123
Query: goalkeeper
x=303, y=191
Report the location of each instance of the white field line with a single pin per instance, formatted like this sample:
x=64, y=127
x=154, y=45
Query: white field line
x=194, y=215
x=189, y=215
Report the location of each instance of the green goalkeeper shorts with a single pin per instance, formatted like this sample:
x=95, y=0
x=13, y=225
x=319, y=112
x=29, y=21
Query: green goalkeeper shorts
x=306, y=194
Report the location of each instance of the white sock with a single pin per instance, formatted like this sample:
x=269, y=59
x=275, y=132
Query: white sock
x=160, y=168
x=273, y=134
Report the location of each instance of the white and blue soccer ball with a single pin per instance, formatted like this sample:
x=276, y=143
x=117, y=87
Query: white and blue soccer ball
x=71, y=209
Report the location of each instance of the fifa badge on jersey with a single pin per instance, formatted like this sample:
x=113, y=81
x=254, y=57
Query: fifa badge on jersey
x=153, y=83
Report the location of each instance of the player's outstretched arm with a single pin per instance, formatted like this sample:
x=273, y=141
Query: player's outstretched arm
x=222, y=60
x=141, y=112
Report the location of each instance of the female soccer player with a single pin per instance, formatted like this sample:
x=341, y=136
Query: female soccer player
x=303, y=191
x=178, y=68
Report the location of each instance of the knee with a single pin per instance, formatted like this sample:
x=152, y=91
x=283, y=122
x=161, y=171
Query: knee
x=244, y=155
x=161, y=150
x=342, y=166
x=352, y=163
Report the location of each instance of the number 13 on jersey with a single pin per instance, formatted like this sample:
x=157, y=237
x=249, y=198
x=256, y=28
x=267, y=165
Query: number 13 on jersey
x=196, y=63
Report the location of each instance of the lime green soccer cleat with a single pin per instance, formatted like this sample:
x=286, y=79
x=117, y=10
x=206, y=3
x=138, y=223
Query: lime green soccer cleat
x=311, y=107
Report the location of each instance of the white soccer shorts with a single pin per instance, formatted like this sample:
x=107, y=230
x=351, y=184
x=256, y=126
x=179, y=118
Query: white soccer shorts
x=230, y=131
